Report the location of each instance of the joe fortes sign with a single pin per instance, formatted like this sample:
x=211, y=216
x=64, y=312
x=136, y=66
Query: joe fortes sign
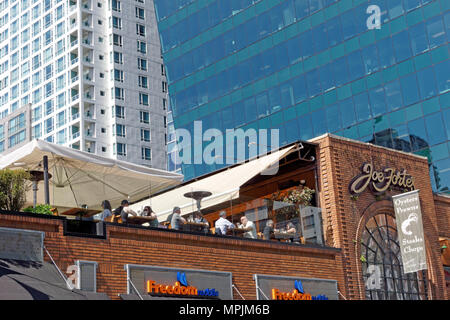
x=380, y=181
x=408, y=216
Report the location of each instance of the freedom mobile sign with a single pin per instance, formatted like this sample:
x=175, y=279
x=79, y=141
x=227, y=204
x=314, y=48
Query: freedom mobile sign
x=410, y=231
x=158, y=281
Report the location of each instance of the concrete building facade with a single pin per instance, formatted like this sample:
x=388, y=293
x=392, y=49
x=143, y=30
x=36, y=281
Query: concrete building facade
x=92, y=72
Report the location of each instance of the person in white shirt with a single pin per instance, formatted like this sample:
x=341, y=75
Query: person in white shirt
x=249, y=227
x=126, y=211
x=223, y=224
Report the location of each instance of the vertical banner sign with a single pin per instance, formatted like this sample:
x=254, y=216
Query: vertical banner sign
x=410, y=231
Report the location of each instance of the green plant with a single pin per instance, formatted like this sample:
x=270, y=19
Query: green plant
x=363, y=259
x=40, y=209
x=13, y=188
x=300, y=196
x=354, y=197
x=297, y=196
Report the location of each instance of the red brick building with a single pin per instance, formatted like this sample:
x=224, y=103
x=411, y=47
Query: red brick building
x=343, y=256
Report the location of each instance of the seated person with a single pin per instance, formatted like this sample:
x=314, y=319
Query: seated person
x=126, y=211
x=199, y=218
x=290, y=228
x=223, y=224
x=148, y=212
x=269, y=230
x=248, y=226
x=106, y=210
x=177, y=220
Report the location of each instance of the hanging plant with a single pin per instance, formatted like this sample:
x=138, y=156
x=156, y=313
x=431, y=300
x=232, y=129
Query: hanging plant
x=297, y=196
x=301, y=196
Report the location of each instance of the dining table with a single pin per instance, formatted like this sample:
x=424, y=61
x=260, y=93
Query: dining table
x=290, y=236
x=138, y=219
x=193, y=226
x=236, y=232
x=81, y=212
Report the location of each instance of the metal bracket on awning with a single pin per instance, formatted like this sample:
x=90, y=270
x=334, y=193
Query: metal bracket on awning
x=234, y=287
x=262, y=292
x=132, y=284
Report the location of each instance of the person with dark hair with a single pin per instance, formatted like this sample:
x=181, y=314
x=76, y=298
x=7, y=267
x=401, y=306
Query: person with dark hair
x=290, y=228
x=269, y=230
x=126, y=210
x=106, y=210
x=199, y=218
x=148, y=212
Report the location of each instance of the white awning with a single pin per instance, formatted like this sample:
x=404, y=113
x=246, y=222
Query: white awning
x=80, y=178
x=223, y=185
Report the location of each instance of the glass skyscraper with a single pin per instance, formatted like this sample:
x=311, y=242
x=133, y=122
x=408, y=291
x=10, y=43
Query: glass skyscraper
x=309, y=67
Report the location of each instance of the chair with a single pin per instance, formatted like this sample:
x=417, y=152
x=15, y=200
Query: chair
x=116, y=219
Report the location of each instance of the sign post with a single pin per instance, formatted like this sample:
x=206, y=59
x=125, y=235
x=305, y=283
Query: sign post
x=410, y=231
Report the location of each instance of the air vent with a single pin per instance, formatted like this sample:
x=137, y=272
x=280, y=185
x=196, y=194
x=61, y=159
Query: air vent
x=87, y=275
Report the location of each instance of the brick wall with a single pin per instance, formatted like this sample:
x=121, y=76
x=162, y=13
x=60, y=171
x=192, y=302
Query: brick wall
x=125, y=245
x=442, y=204
x=340, y=160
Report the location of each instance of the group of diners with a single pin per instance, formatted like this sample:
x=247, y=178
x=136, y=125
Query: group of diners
x=197, y=222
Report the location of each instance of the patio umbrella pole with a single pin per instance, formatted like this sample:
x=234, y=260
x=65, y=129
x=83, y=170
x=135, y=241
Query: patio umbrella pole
x=35, y=189
x=46, y=190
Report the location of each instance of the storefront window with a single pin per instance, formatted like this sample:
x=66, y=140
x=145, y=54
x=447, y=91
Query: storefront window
x=382, y=264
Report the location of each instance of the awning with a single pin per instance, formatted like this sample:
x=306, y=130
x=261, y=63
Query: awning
x=224, y=186
x=81, y=178
x=30, y=280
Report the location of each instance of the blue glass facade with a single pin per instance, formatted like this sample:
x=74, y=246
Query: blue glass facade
x=312, y=66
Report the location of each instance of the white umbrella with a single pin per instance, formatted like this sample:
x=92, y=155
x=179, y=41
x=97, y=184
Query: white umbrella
x=81, y=178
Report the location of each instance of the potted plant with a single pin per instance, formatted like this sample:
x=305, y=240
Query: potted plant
x=45, y=209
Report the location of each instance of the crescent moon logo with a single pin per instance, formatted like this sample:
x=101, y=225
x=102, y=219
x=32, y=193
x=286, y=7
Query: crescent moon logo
x=405, y=224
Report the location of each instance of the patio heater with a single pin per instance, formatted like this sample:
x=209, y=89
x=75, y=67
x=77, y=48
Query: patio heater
x=37, y=176
x=198, y=196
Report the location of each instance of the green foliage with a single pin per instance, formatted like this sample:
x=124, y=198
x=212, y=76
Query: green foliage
x=40, y=209
x=300, y=196
x=13, y=188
